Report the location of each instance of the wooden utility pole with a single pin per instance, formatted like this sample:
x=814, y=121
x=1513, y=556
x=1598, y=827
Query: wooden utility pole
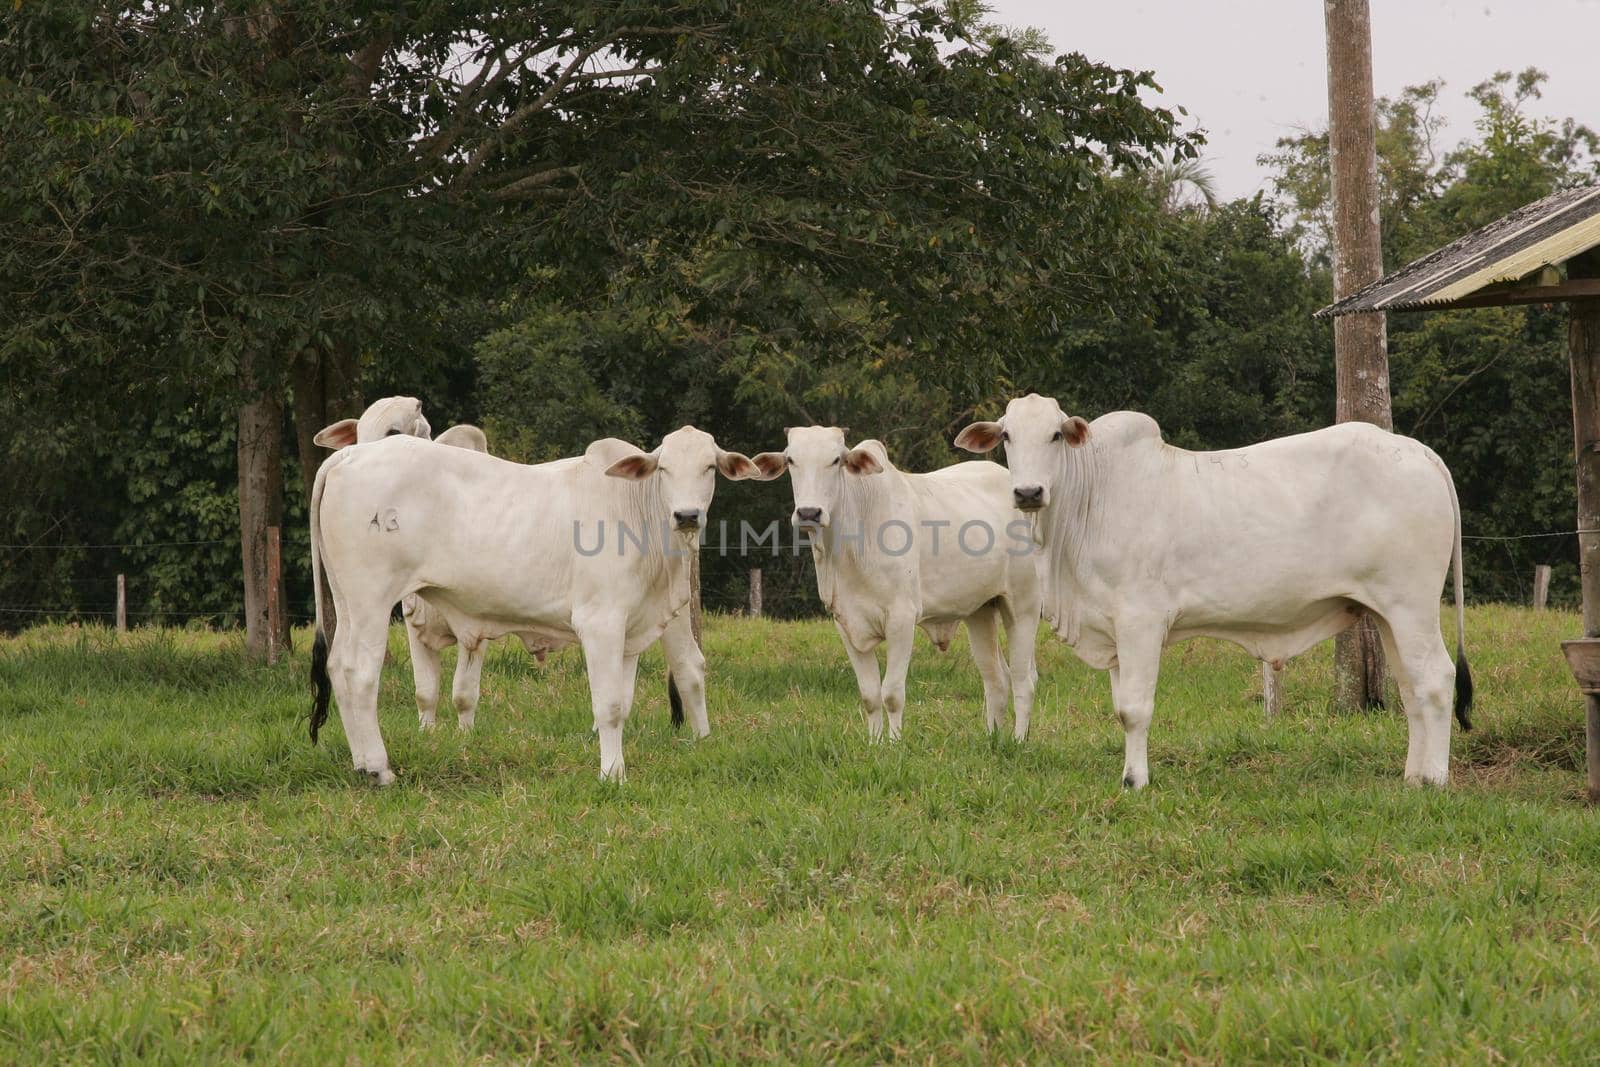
x=1360, y=342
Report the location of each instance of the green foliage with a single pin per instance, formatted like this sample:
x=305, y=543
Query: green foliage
x=869, y=207
x=1229, y=357
x=184, y=880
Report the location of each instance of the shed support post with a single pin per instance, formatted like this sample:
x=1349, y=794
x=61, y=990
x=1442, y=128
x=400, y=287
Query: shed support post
x=1583, y=351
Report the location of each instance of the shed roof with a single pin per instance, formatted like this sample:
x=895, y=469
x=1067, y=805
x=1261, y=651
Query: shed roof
x=1541, y=234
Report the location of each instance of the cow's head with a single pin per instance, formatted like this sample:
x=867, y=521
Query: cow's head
x=686, y=465
x=391, y=415
x=1035, y=432
x=818, y=462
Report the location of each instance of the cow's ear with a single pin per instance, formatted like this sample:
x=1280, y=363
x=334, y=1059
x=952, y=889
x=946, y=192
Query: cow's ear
x=979, y=437
x=769, y=465
x=861, y=461
x=339, y=435
x=736, y=466
x=636, y=467
x=1075, y=430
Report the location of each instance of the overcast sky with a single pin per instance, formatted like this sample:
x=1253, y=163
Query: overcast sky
x=1251, y=71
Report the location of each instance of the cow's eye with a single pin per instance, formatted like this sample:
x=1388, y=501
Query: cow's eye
x=1057, y=437
x=710, y=467
x=836, y=460
x=1004, y=437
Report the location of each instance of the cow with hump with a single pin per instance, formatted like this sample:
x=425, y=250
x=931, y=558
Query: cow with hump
x=1275, y=547
x=593, y=550
x=896, y=550
x=427, y=632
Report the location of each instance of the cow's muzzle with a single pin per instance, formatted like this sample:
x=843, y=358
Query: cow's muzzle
x=808, y=517
x=688, y=520
x=1028, y=497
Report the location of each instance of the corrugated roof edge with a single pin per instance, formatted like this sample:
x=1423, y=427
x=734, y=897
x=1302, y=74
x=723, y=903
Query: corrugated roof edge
x=1440, y=261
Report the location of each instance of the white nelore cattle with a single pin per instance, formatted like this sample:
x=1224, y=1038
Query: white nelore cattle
x=896, y=550
x=1274, y=547
x=383, y=418
x=427, y=633
x=593, y=549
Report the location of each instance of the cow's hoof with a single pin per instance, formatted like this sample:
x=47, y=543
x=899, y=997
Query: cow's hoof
x=1420, y=781
x=1131, y=782
x=383, y=777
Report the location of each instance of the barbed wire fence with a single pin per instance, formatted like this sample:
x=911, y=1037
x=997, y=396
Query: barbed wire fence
x=95, y=597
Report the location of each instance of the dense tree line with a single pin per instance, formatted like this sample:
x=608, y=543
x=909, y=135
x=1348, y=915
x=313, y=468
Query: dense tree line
x=612, y=217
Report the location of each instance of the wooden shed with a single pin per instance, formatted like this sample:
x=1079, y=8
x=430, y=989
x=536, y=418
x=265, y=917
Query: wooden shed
x=1544, y=253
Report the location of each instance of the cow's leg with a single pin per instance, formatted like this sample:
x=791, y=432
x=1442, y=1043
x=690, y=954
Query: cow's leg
x=901, y=639
x=1426, y=676
x=1133, y=690
x=868, y=683
x=611, y=672
x=467, y=687
x=983, y=634
x=355, y=663
x=1022, y=637
x=425, y=673
x=687, y=665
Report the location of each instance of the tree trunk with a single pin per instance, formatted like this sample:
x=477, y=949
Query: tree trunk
x=326, y=388
x=1360, y=343
x=260, y=496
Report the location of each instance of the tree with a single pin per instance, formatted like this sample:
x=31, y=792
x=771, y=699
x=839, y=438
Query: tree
x=256, y=198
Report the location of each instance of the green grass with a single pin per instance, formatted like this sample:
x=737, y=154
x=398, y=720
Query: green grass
x=184, y=879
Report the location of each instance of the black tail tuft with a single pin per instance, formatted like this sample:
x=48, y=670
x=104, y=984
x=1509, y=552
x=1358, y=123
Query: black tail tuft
x=1463, y=691
x=675, y=700
x=319, y=684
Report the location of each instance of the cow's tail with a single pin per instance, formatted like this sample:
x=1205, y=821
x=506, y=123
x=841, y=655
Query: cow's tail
x=675, y=700
x=1463, y=672
x=321, y=690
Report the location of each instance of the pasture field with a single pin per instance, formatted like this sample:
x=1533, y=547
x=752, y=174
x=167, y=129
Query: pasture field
x=184, y=879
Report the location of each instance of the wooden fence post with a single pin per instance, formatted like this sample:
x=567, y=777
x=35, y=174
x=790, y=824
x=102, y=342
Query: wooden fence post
x=1541, y=586
x=274, y=604
x=1271, y=687
x=755, y=592
x=122, y=603
x=695, y=608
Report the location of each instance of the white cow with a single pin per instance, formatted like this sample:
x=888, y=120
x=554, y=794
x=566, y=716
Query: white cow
x=592, y=549
x=896, y=550
x=383, y=418
x=427, y=631
x=1275, y=547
